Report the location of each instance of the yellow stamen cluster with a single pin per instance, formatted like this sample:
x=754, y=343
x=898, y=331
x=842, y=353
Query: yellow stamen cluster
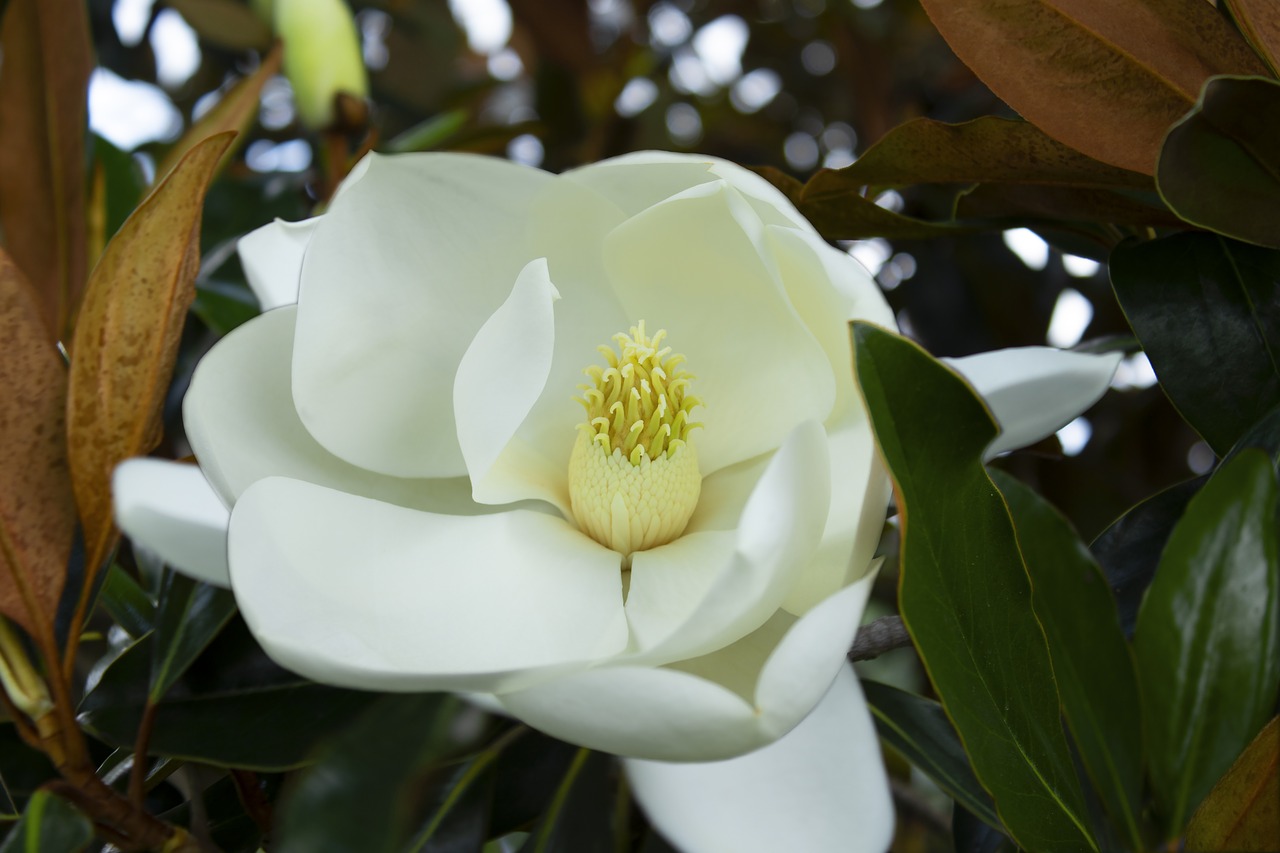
x=633, y=475
x=639, y=403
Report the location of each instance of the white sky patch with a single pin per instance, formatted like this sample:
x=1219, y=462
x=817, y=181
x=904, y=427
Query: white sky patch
x=1072, y=314
x=636, y=97
x=668, y=25
x=801, y=151
x=375, y=25
x=1080, y=267
x=527, y=149
x=754, y=90
x=684, y=124
x=487, y=23
x=818, y=58
x=505, y=64
x=263, y=155
x=867, y=4
x=720, y=45
x=1075, y=435
x=1028, y=246
x=130, y=19
x=872, y=253
x=890, y=200
x=176, y=47
x=129, y=113
x=688, y=75
x=1134, y=372
x=1200, y=458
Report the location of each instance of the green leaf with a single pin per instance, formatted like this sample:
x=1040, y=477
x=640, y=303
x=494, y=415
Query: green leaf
x=1129, y=550
x=1220, y=165
x=191, y=615
x=1208, y=637
x=1206, y=311
x=233, y=708
x=126, y=603
x=1242, y=812
x=1062, y=204
x=985, y=150
x=919, y=729
x=1091, y=660
x=222, y=306
x=581, y=811
x=49, y=825
x=964, y=594
x=359, y=794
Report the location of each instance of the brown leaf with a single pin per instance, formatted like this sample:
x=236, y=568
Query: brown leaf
x=237, y=111
x=1105, y=78
x=1242, y=812
x=43, y=91
x=37, y=510
x=1259, y=20
x=127, y=338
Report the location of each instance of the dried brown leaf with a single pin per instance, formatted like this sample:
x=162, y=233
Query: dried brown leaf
x=127, y=338
x=1259, y=20
x=1106, y=78
x=37, y=510
x=43, y=92
x=1242, y=812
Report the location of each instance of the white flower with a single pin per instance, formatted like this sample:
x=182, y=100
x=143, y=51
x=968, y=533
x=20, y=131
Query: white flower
x=395, y=450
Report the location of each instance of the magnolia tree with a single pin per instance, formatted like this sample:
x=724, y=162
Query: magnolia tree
x=406, y=497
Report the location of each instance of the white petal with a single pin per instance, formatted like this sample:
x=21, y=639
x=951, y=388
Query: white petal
x=1034, y=391
x=820, y=789
x=272, y=260
x=709, y=708
x=403, y=270
x=501, y=377
x=706, y=590
x=241, y=423
x=693, y=265
x=170, y=509
x=358, y=593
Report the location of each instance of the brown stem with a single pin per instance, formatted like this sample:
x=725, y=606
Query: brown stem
x=28, y=734
x=875, y=638
x=255, y=802
x=138, y=773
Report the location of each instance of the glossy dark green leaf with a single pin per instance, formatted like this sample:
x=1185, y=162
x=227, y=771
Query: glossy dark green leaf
x=919, y=729
x=359, y=794
x=1207, y=311
x=1242, y=812
x=985, y=150
x=1083, y=204
x=191, y=614
x=579, y=818
x=1220, y=165
x=528, y=772
x=126, y=603
x=970, y=834
x=964, y=593
x=1092, y=663
x=223, y=306
x=49, y=825
x=1129, y=550
x=1208, y=637
x=233, y=708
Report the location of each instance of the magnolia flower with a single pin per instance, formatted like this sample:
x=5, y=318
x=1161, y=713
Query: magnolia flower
x=670, y=569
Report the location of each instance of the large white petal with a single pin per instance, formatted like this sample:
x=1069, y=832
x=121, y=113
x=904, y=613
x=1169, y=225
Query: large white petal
x=170, y=509
x=242, y=426
x=693, y=265
x=272, y=260
x=1034, y=391
x=501, y=377
x=359, y=593
x=709, y=708
x=709, y=588
x=820, y=789
x=403, y=270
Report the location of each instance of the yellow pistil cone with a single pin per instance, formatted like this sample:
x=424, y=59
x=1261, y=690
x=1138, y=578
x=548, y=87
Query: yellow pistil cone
x=633, y=476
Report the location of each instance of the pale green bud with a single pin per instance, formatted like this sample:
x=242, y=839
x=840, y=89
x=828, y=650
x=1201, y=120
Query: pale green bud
x=322, y=57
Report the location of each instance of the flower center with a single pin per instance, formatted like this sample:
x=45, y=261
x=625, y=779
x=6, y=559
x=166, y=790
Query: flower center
x=633, y=475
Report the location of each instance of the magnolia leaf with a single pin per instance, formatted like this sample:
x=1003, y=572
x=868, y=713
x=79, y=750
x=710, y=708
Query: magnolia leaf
x=1208, y=635
x=581, y=811
x=1220, y=168
x=191, y=614
x=127, y=604
x=1092, y=662
x=43, y=95
x=225, y=23
x=985, y=150
x=1242, y=812
x=127, y=338
x=236, y=110
x=1204, y=309
x=37, y=508
x=1040, y=203
x=1107, y=79
x=964, y=594
x=1259, y=20
x=49, y=825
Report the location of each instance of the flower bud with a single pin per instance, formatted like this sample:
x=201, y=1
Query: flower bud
x=18, y=677
x=322, y=57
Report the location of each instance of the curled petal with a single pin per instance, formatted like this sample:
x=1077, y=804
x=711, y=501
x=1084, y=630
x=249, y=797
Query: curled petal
x=272, y=260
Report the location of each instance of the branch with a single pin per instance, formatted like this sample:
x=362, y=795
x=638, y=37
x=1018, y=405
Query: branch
x=875, y=638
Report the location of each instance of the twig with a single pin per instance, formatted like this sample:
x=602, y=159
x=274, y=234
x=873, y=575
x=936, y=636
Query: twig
x=138, y=773
x=875, y=638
